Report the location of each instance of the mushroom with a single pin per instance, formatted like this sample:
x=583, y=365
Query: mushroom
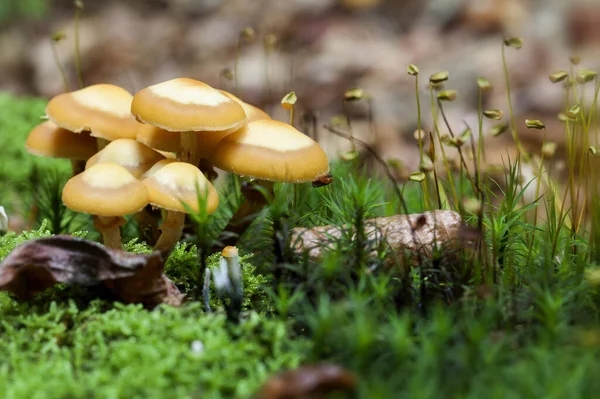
x=159, y=139
x=269, y=151
x=102, y=109
x=137, y=158
x=108, y=191
x=157, y=166
x=177, y=187
x=134, y=156
x=187, y=106
x=207, y=141
x=49, y=140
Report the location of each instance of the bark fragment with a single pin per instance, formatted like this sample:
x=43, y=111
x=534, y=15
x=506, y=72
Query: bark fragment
x=417, y=233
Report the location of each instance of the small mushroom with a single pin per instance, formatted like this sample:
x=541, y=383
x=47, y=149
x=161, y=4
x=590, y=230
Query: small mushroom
x=49, y=140
x=172, y=186
x=108, y=191
x=134, y=156
x=102, y=109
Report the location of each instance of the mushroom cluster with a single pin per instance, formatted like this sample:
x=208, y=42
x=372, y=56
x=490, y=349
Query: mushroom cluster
x=158, y=148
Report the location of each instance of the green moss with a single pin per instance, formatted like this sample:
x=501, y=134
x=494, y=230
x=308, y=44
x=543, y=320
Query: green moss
x=17, y=117
x=10, y=240
x=62, y=351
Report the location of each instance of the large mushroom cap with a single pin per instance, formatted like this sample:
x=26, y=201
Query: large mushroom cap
x=158, y=138
x=271, y=150
x=105, y=189
x=134, y=156
x=178, y=182
x=182, y=104
x=102, y=109
x=49, y=140
x=207, y=141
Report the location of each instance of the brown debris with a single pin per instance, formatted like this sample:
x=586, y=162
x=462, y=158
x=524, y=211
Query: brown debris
x=305, y=382
x=38, y=264
x=443, y=227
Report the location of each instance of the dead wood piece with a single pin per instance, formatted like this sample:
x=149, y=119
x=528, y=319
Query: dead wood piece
x=415, y=233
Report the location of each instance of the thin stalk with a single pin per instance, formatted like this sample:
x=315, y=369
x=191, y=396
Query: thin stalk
x=460, y=153
x=513, y=124
x=420, y=139
x=480, y=142
x=171, y=230
x=236, y=69
x=437, y=132
x=78, y=9
x=349, y=123
x=59, y=65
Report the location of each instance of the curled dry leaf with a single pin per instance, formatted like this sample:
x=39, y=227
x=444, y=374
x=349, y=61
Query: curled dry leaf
x=417, y=233
x=313, y=382
x=38, y=264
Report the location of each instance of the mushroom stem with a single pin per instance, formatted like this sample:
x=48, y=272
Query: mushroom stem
x=188, y=151
x=109, y=226
x=171, y=230
x=78, y=166
x=148, y=224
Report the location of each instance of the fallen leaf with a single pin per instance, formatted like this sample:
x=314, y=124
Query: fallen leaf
x=38, y=264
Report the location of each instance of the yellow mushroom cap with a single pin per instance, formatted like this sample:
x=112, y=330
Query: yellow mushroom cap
x=252, y=113
x=159, y=139
x=207, y=141
x=49, y=140
x=134, y=156
x=102, y=109
x=157, y=166
x=271, y=150
x=183, y=104
x=229, y=252
x=175, y=183
x=105, y=189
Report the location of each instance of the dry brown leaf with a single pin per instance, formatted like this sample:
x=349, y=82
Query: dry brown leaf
x=38, y=264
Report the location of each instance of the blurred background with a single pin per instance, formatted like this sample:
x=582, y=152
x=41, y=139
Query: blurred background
x=317, y=48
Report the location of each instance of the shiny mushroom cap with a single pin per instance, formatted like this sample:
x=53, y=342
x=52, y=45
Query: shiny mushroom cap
x=105, y=189
x=102, y=109
x=183, y=104
x=177, y=183
x=271, y=150
x=49, y=140
x=134, y=156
